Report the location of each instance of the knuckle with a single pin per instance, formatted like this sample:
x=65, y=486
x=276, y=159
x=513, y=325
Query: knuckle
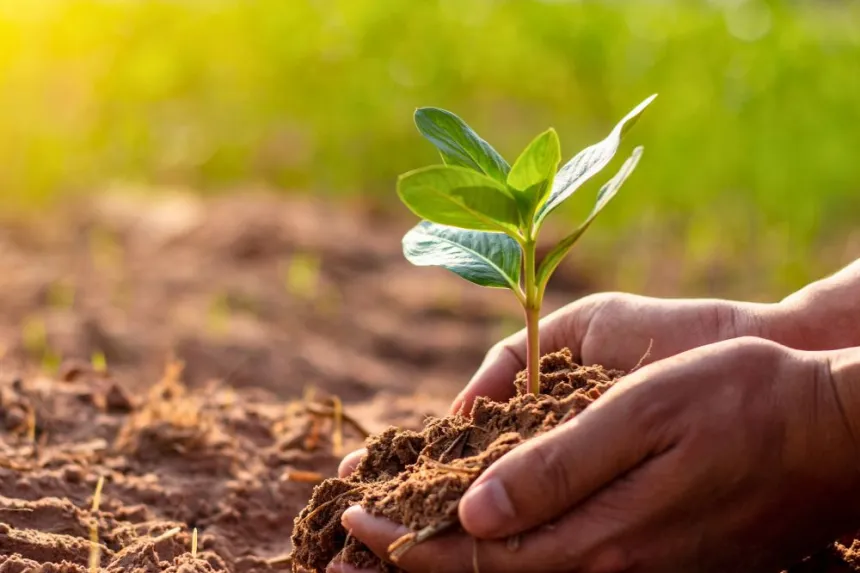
x=757, y=349
x=604, y=300
x=554, y=481
x=501, y=349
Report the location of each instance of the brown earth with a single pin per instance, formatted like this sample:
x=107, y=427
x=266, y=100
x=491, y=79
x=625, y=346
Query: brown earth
x=196, y=353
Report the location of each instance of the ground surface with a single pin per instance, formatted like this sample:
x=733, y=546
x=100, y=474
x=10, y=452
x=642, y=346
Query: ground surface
x=191, y=353
x=221, y=324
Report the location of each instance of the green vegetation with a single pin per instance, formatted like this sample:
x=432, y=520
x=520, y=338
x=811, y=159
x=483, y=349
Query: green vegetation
x=482, y=215
x=758, y=147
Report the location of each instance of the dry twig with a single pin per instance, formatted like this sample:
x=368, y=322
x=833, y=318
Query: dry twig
x=403, y=544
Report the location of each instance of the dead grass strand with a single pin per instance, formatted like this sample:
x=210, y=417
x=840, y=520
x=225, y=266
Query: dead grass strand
x=403, y=544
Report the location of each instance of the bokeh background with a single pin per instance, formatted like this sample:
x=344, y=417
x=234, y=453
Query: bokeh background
x=203, y=192
x=750, y=184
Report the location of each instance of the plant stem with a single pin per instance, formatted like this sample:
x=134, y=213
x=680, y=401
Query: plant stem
x=532, y=310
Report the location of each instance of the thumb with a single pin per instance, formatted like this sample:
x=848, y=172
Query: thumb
x=545, y=477
x=495, y=378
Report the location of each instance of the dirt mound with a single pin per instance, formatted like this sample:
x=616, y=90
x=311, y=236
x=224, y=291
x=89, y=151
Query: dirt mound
x=417, y=478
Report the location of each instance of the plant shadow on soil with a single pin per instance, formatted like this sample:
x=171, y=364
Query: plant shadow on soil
x=205, y=348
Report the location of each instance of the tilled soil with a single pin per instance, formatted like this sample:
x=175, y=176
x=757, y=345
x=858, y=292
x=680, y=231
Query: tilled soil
x=196, y=355
x=234, y=468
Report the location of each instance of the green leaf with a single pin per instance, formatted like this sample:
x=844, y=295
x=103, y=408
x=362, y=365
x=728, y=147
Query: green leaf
x=460, y=197
x=604, y=196
x=533, y=172
x=588, y=162
x=459, y=144
x=486, y=259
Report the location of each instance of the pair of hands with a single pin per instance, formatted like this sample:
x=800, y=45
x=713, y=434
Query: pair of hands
x=728, y=452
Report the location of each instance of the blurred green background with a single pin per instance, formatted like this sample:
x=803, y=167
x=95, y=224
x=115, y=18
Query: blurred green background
x=750, y=184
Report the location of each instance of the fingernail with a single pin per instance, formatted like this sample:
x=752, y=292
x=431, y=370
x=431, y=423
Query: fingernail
x=485, y=508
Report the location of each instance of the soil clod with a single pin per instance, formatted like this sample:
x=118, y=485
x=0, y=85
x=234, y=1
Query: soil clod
x=418, y=478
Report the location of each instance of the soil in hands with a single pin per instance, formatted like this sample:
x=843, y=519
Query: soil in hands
x=416, y=478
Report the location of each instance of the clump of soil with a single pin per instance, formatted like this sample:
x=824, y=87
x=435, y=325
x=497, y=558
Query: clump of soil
x=418, y=478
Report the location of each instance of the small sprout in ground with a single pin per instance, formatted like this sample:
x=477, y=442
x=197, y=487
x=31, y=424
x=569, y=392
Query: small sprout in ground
x=301, y=275
x=61, y=295
x=31, y=425
x=194, y=544
x=95, y=548
x=482, y=215
x=337, y=429
x=97, y=496
x=218, y=315
x=99, y=361
x=34, y=336
x=167, y=535
x=106, y=251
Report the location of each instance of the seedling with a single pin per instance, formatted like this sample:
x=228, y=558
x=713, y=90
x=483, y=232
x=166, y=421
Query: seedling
x=482, y=216
x=99, y=361
x=34, y=336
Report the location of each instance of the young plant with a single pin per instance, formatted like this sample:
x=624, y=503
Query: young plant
x=482, y=216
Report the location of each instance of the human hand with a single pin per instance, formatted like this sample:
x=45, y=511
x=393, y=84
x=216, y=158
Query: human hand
x=739, y=456
x=614, y=330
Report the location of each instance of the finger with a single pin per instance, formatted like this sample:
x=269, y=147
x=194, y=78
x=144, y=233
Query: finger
x=449, y=553
x=337, y=567
x=604, y=534
x=543, y=478
x=350, y=462
x=495, y=377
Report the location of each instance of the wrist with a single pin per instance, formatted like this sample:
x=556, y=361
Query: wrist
x=822, y=316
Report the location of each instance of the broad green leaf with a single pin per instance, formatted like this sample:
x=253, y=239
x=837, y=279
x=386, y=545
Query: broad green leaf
x=459, y=197
x=604, y=196
x=459, y=144
x=588, y=162
x=486, y=259
x=533, y=172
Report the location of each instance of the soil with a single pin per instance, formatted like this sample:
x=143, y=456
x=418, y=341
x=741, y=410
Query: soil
x=211, y=360
x=416, y=478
